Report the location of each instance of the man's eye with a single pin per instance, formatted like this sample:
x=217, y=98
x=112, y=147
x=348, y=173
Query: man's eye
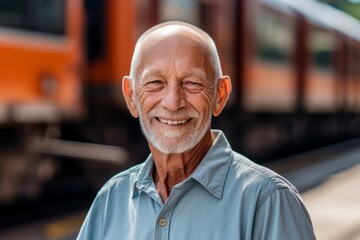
x=154, y=85
x=154, y=82
x=192, y=86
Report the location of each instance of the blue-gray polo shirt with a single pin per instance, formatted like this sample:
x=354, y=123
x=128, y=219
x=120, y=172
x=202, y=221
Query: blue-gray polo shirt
x=227, y=197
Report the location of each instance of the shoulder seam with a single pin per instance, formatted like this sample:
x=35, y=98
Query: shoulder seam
x=120, y=175
x=273, y=182
x=266, y=196
x=128, y=171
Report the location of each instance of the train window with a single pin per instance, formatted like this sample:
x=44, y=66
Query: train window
x=48, y=15
x=182, y=10
x=274, y=37
x=36, y=15
x=12, y=12
x=322, y=45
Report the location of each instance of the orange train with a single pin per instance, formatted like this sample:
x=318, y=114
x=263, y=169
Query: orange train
x=294, y=66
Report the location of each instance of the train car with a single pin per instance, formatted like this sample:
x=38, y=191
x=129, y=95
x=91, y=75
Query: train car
x=41, y=61
x=327, y=77
x=47, y=70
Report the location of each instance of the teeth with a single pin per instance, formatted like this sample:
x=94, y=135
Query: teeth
x=170, y=122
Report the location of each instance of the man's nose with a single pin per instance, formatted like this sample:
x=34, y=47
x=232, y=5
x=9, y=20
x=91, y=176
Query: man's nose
x=174, y=97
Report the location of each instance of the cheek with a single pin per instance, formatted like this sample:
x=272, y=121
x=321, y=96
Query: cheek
x=202, y=102
x=208, y=97
x=147, y=100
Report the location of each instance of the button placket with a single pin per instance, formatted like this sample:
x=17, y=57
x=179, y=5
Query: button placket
x=163, y=223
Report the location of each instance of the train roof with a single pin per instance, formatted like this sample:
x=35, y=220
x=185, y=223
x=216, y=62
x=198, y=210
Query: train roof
x=278, y=5
x=327, y=16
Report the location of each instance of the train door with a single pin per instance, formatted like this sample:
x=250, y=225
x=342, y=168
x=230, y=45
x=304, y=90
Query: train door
x=41, y=59
x=111, y=36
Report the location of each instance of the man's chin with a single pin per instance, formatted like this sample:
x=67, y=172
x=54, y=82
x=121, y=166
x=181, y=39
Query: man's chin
x=172, y=145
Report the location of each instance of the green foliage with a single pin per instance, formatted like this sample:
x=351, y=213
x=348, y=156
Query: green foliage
x=351, y=7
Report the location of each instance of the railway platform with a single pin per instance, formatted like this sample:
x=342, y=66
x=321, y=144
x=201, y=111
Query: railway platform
x=334, y=206
x=329, y=182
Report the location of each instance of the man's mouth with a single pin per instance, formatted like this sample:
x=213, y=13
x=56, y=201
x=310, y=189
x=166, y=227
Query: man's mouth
x=173, y=122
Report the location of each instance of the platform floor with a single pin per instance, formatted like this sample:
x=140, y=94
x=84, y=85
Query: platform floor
x=334, y=206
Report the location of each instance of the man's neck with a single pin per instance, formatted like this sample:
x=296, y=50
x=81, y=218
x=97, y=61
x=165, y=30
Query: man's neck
x=171, y=169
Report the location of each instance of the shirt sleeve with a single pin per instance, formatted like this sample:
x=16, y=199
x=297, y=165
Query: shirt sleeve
x=282, y=215
x=92, y=227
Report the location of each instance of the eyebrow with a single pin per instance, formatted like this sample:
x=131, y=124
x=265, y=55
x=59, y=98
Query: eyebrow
x=150, y=72
x=197, y=72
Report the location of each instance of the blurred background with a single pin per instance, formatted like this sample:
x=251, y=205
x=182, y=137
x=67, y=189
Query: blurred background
x=64, y=128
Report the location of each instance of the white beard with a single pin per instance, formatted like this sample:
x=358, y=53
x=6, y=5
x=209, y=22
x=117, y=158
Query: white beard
x=173, y=141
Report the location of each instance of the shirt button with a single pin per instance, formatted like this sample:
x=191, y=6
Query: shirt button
x=162, y=222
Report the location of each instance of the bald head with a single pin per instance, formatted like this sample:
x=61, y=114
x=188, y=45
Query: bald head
x=173, y=35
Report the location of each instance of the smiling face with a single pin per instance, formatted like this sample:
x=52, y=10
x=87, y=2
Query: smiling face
x=174, y=95
x=174, y=92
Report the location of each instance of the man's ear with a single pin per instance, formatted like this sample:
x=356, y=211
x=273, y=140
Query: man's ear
x=128, y=92
x=223, y=93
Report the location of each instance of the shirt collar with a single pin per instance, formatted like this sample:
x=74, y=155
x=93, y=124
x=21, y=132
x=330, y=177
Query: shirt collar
x=211, y=172
x=144, y=178
x=213, y=169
